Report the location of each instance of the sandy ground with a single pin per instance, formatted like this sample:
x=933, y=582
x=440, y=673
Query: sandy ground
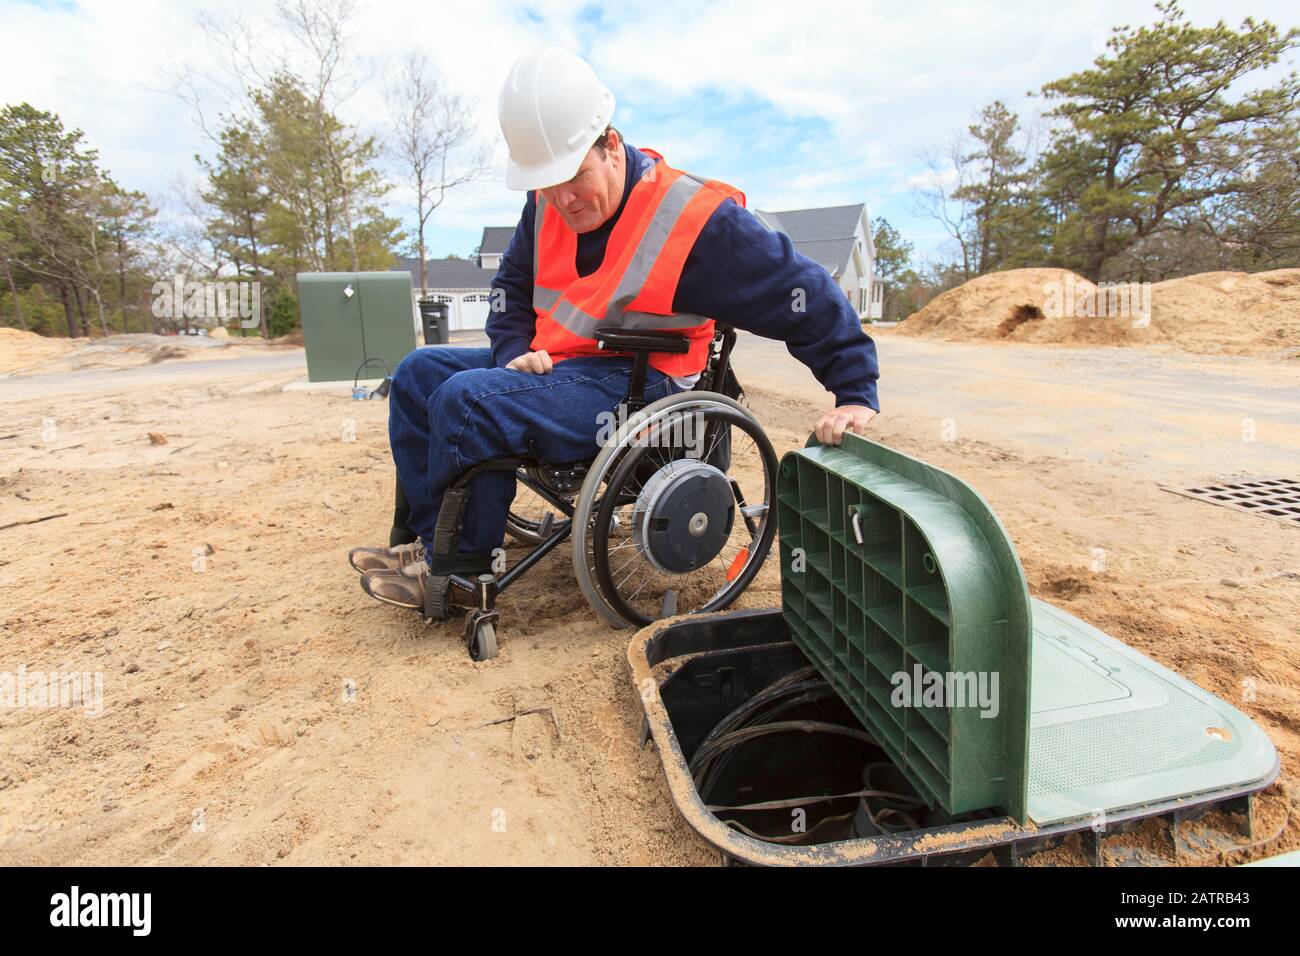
x=259, y=709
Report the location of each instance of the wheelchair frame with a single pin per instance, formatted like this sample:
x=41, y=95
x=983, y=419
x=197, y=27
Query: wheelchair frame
x=481, y=592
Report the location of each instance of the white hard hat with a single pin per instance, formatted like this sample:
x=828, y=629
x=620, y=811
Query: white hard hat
x=552, y=108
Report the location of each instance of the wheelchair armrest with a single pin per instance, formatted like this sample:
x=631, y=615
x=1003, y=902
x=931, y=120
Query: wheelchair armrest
x=642, y=340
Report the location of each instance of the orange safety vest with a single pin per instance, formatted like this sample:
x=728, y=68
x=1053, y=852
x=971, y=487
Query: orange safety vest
x=634, y=286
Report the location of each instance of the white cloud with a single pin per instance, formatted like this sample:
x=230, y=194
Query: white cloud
x=885, y=78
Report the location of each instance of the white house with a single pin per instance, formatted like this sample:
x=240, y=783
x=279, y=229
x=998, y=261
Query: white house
x=465, y=285
x=493, y=245
x=839, y=239
x=836, y=237
x=461, y=283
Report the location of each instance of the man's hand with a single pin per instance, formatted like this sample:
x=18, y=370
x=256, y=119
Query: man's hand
x=830, y=428
x=538, y=363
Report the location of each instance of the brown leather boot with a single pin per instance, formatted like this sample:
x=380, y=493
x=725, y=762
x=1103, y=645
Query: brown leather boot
x=419, y=588
x=400, y=587
x=386, y=559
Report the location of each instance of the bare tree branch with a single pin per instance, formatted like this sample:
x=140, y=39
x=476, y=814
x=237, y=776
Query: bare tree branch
x=433, y=140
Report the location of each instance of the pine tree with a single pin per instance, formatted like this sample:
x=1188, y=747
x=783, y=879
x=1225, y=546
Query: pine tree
x=1152, y=132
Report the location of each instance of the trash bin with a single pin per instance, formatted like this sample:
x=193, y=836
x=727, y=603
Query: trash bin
x=434, y=318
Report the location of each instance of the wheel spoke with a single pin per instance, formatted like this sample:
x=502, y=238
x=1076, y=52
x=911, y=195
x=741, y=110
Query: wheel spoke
x=648, y=580
x=632, y=587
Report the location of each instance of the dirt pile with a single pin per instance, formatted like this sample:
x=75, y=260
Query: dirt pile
x=1236, y=312
x=26, y=353
x=21, y=350
x=1214, y=312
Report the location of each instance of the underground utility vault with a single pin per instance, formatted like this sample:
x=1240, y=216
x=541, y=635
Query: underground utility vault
x=910, y=703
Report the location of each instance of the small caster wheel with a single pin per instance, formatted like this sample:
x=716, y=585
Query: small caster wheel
x=483, y=646
x=481, y=635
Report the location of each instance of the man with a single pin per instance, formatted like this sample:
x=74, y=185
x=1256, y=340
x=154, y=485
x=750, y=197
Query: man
x=610, y=236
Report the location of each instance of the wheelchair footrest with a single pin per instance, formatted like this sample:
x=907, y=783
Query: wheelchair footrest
x=437, y=598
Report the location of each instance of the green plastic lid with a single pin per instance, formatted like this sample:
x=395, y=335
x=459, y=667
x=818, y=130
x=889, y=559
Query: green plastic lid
x=901, y=585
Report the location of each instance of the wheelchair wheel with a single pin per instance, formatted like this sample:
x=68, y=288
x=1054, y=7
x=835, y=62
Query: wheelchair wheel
x=527, y=511
x=677, y=511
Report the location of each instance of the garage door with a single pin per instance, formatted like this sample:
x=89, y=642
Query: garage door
x=473, y=312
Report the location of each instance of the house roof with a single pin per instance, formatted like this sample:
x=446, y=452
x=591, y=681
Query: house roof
x=495, y=239
x=823, y=235
x=447, y=273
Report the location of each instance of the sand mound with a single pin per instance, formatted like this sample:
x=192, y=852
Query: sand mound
x=1235, y=312
x=976, y=309
x=22, y=350
x=1230, y=311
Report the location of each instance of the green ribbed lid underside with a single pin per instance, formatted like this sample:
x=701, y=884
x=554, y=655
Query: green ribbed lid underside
x=1084, y=726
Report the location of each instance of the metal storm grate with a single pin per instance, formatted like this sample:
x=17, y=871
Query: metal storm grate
x=1277, y=498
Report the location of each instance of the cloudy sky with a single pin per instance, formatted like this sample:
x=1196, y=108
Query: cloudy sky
x=796, y=103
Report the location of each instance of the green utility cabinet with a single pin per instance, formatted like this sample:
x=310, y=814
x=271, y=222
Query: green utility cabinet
x=897, y=578
x=350, y=317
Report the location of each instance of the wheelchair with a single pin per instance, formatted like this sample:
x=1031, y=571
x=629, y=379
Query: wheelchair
x=674, y=515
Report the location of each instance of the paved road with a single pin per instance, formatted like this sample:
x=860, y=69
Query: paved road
x=276, y=364
x=148, y=376
x=1169, y=416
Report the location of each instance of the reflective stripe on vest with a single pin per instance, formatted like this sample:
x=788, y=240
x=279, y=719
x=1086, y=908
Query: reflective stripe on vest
x=671, y=192
x=544, y=299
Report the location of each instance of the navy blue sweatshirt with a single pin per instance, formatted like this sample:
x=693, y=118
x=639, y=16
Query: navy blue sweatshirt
x=739, y=273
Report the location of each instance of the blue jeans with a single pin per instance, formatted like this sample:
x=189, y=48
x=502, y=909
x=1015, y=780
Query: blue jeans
x=450, y=409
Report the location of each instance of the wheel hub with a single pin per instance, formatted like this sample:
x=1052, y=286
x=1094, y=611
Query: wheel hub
x=683, y=516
